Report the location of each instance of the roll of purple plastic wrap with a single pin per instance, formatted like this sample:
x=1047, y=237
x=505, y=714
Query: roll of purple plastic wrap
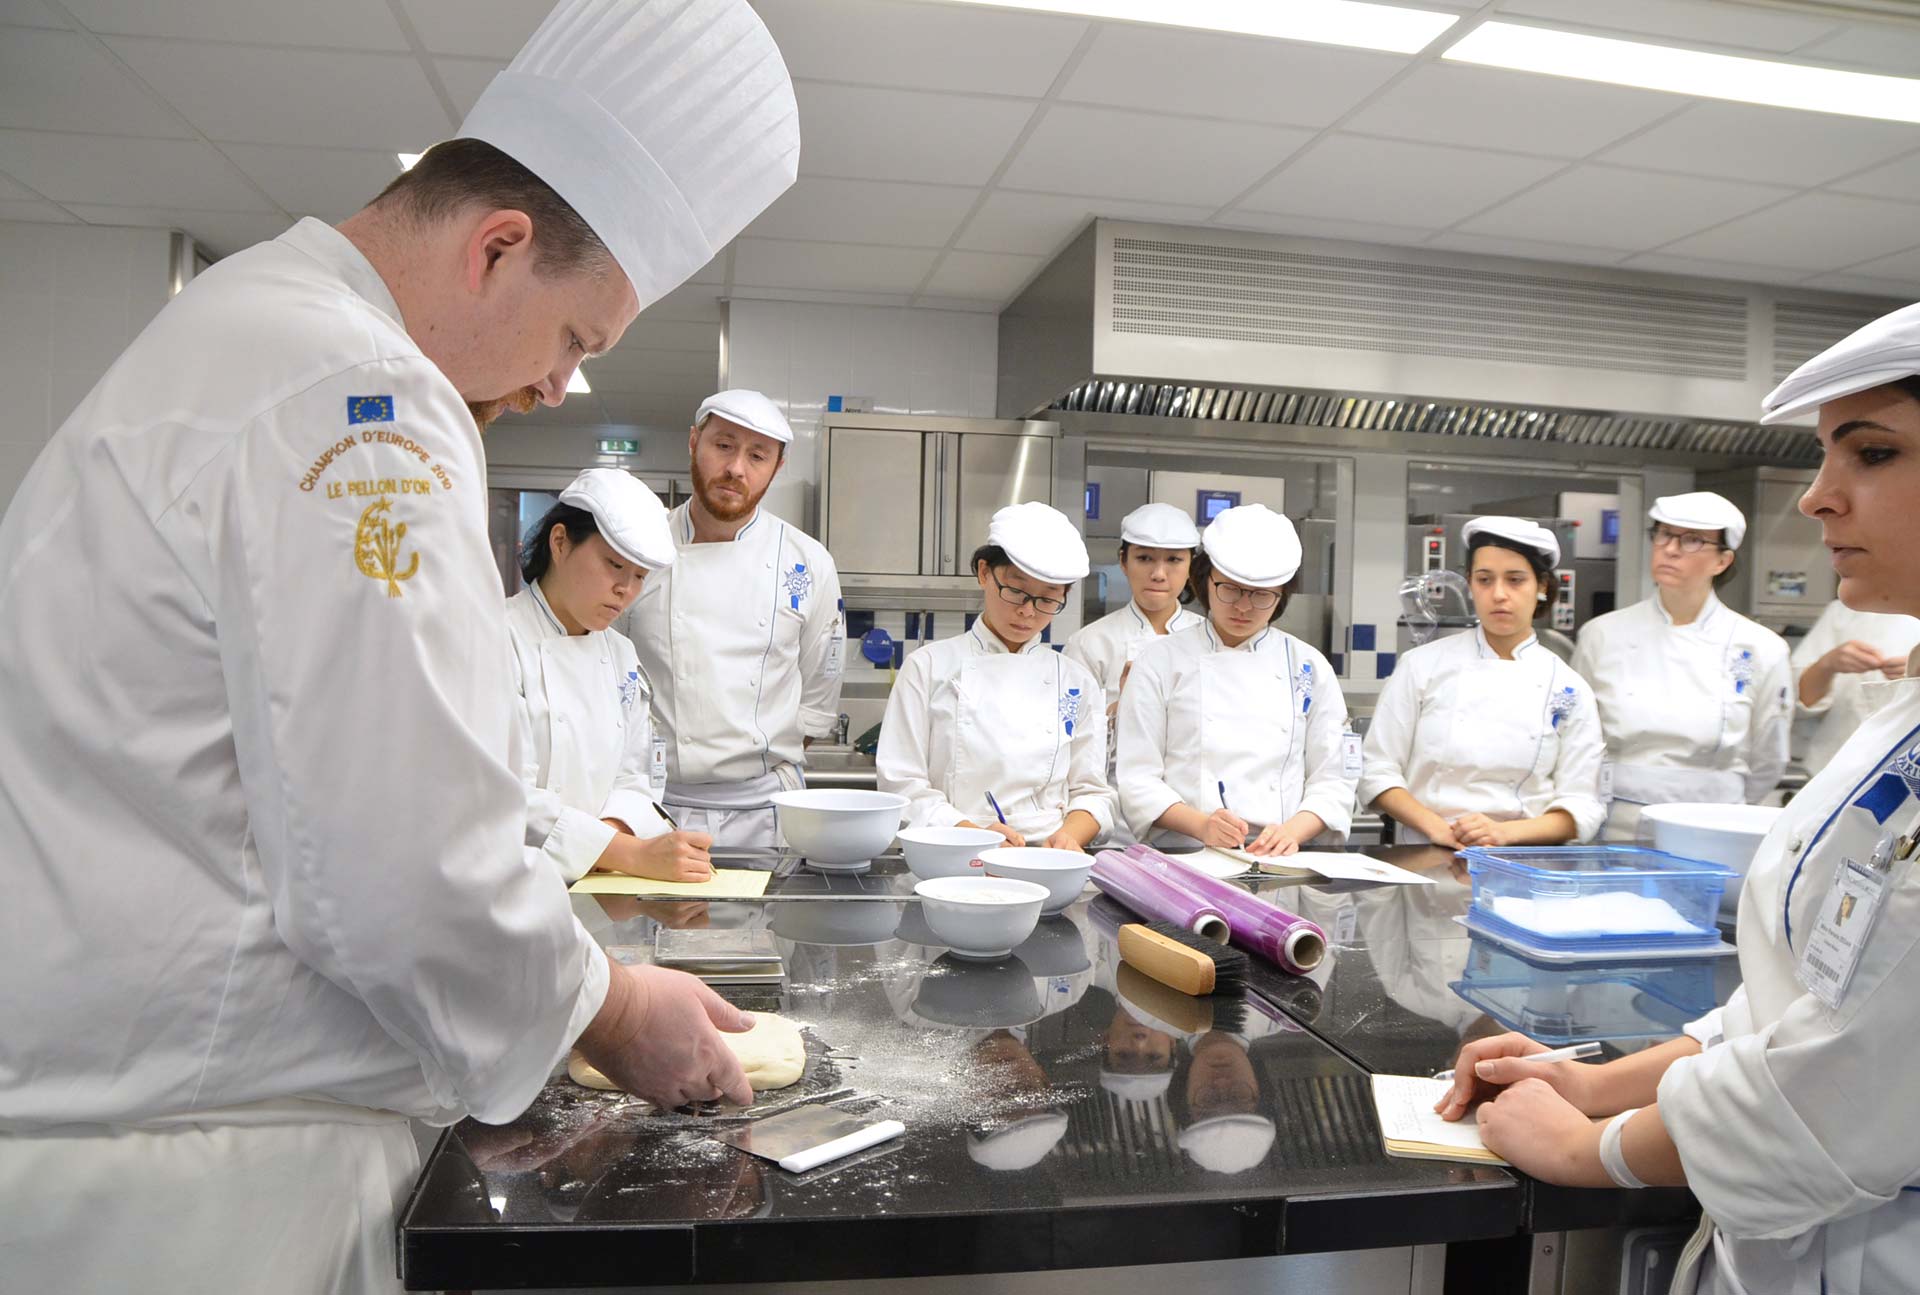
x=1287, y=940
x=1156, y=899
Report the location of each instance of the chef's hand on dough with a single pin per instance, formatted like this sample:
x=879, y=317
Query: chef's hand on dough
x=658, y=1038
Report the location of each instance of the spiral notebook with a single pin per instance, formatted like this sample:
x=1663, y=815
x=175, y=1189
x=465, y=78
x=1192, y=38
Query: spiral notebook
x=1410, y=1129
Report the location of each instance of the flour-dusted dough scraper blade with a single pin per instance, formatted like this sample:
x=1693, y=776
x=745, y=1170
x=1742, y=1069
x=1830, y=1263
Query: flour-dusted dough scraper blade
x=810, y=1137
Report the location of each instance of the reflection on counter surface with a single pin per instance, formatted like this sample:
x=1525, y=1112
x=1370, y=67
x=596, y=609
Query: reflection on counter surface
x=1058, y=1087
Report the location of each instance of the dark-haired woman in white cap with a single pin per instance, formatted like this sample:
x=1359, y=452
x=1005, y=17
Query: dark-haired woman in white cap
x=1232, y=732
x=588, y=754
x=1789, y=1112
x=993, y=728
x=1157, y=543
x=1695, y=699
x=1488, y=738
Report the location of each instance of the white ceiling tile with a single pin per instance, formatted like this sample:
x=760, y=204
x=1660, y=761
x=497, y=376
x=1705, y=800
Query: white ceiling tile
x=627, y=365
x=861, y=211
x=1447, y=103
x=1352, y=231
x=1879, y=47
x=1709, y=268
x=670, y=335
x=32, y=209
x=309, y=97
x=496, y=29
x=331, y=183
x=964, y=305
x=1168, y=70
x=1110, y=154
x=922, y=46
x=28, y=13
x=221, y=232
x=1899, y=179
x=861, y=133
x=1902, y=267
x=465, y=78
x=1894, y=290
x=1816, y=231
x=1742, y=26
x=12, y=188
x=126, y=172
x=764, y=263
x=696, y=302
x=1347, y=177
x=1525, y=249
x=1040, y=223
x=1597, y=206
x=983, y=276
x=56, y=80
x=1741, y=142
x=336, y=24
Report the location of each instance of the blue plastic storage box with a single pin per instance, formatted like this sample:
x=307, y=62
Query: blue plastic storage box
x=1557, y=1005
x=1596, y=896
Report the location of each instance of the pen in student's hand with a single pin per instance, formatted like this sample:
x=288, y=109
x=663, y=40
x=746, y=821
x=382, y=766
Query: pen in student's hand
x=1574, y=1052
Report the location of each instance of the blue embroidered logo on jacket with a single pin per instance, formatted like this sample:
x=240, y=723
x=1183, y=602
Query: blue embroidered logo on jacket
x=629, y=690
x=1070, y=710
x=1303, y=686
x=1743, y=670
x=799, y=583
x=1561, y=705
x=1907, y=770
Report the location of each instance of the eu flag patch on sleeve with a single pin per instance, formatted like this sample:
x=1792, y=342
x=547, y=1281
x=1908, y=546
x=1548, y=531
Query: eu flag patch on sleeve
x=369, y=409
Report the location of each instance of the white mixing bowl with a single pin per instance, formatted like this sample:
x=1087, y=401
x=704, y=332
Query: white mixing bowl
x=980, y=917
x=838, y=825
x=1723, y=834
x=1063, y=872
x=946, y=851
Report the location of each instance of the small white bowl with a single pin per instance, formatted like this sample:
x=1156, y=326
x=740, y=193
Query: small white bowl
x=946, y=851
x=834, y=825
x=980, y=917
x=1063, y=872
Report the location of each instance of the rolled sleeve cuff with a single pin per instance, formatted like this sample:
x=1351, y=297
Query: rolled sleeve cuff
x=637, y=812
x=1337, y=815
x=1099, y=806
x=1587, y=812
x=1375, y=785
x=1710, y=1030
x=576, y=843
x=593, y=989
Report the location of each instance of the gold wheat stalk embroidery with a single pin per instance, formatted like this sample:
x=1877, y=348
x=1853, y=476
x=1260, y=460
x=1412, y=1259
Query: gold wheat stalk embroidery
x=376, y=547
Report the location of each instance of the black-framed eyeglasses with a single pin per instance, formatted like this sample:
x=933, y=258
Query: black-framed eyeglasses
x=1233, y=595
x=1686, y=541
x=1020, y=598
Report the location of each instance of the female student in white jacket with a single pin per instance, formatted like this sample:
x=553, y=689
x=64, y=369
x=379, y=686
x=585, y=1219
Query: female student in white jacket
x=1235, y=728
x=1789, y=1112
x=587, y=751
x=1487, y=738
x=1157, y=543
x=992, y=727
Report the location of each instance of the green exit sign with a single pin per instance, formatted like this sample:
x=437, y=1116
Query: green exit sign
x=619, y=447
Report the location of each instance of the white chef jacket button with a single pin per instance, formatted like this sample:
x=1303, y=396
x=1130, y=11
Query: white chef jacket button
x=1793, y=846
x=763, y=622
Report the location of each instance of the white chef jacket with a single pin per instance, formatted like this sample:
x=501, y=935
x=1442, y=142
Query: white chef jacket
x=1265, y=718
x=586, y=748
x=1698, y=712
x=264, y=840
x=1852, y=697
x=744, y=641
x=1796, y=1129
x=1467, y=732
x=1109, y=645
x=967, y=717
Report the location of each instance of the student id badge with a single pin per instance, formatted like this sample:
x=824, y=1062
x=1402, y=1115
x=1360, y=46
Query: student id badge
x=836, y=656
x=1350, y=765
x=657, y=767
x=1832, y=951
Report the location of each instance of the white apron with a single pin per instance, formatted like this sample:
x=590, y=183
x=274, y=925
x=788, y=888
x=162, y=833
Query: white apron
x=1010, y=738
x=1252, y=713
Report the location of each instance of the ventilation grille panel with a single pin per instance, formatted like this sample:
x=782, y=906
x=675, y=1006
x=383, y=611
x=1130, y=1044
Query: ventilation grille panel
x=1168, y=288
x=1801, y=331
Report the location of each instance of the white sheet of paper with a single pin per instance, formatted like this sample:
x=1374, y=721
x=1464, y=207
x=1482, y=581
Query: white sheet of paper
x=1404, y=1104
x=1333, y=865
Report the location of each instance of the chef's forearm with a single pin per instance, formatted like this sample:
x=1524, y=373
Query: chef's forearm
x=1816, y=681
x=1555, y=827
x=622, y=1014
x=1081, y=826
x=1634, y=1080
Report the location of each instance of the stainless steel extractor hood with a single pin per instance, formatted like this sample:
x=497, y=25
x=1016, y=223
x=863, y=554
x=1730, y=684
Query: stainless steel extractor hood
x=1179, y=323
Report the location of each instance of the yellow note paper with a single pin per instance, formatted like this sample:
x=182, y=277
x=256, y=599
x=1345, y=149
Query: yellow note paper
x=1410, y=1128
x=726, y=883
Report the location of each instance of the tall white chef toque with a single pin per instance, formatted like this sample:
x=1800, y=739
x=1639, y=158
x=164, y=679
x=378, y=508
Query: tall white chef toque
x=630, y=517
x=667, y=124
x=1702, y=510
x=1041, y=542
x=1254, y=546
x=1884, y=351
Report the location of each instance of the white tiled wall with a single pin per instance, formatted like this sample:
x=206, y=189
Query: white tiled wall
x=902, y=360
x=71, y=298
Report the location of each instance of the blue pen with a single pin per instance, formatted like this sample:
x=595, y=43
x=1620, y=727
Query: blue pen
x=996, y=807
x=1223, y=795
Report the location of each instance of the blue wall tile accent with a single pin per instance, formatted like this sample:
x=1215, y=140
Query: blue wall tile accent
x=1363, y=638
x=1339, y=663
x=913, y=625
x=858, y=623
x=1383, y=665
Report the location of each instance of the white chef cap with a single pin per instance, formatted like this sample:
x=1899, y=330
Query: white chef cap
x=1136, y=1088
x=1516, y=530
x=1229, y=1144
x=1254, y=546
x=1021, y=1145
x=667, y=124
x=1041, y=542
x=631, y=518
x=748, y=409
x=1701, y=511
x=1160, y=526
x=1884, y=351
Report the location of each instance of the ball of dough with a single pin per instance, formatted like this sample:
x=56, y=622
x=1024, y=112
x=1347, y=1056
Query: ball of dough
x=773, y=1053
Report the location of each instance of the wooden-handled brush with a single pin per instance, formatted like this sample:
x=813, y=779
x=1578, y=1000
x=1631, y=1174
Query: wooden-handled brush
x=1182, y=960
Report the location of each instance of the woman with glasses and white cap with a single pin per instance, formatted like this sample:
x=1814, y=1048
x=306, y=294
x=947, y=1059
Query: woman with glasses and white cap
x=1157, y=542
x=588, y=754
x=1789, y=1112
x=993, y=728
x=1234, y=728
x=1488, y=738
x=1695, y=699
